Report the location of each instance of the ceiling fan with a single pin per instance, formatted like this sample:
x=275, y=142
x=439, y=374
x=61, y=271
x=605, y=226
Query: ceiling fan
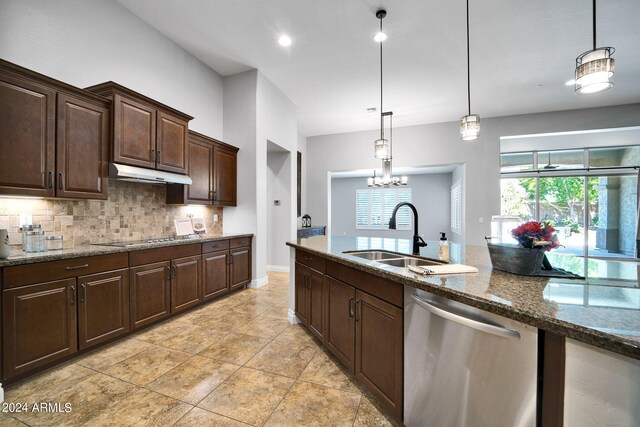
x=549, y=165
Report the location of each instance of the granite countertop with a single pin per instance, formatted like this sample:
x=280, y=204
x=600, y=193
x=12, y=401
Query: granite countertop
x=18, y=257
x=602, y=310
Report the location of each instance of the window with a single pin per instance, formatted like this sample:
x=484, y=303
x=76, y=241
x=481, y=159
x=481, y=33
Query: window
x=456, y=207
x=516, y=162
x=375, y=206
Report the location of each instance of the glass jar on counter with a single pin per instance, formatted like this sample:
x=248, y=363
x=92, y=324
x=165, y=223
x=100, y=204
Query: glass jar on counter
x=54, y=243
x=34, y=241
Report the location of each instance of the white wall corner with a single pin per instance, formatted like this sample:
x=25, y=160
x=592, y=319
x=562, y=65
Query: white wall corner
x=278, y=268
x=258, y=283
x=292, y=317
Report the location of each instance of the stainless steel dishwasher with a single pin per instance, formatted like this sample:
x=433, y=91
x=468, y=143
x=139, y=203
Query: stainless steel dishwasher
x=466, y=367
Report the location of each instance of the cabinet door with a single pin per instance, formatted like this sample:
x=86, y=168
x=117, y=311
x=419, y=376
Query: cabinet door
x=185, y=283
x=379, y=349
x=27, y=137
x=315, y=301
x=39, y=325
x=82, y=148
x=200, y=170
x=225, y=177
x=215, y=277
x=134, y=132
x=240, y=267
x=149, y=293
x=103, y=307
x=301, y=277
x=340, y=332
x=171, y=143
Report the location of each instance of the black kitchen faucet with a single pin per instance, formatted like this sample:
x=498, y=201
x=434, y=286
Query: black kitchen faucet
x=417, y=240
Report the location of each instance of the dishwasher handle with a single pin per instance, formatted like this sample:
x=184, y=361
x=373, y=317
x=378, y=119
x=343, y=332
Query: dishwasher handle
x=463, y=320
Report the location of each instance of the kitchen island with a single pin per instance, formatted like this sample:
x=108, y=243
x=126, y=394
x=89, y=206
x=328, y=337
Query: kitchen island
x=599, y=312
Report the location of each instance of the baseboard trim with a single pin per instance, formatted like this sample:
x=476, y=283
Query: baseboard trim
x=258, y=283
x=278, y=268
x=292, y=317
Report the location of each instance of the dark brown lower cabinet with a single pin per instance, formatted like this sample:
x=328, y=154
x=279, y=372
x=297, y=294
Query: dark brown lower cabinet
x=185, y=283
x=103, y=307
x=240, y=267
x=301, y=293
x=310, y=297
x=379, y=349
x=364, y=332
x=215, y=274
x=150, y=293
x=39, y=325
x=340, y=335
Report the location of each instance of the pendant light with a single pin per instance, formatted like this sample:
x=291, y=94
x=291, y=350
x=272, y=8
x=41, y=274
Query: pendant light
x=383, y=146
x=594, y=69
x=469, y=124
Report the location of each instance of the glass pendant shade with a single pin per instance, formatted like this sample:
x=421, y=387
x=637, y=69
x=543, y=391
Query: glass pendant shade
x=382, y=149
x=594, y=70
x=386, y=172
x=470, y=127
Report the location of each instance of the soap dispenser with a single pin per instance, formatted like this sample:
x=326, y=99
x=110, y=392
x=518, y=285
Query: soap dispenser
x=443, y=250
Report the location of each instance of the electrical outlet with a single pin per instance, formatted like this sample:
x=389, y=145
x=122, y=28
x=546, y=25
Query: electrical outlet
x=480, y=220
x=216, y=218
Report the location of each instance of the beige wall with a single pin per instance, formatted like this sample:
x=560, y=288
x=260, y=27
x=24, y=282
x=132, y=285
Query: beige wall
x=133, y=211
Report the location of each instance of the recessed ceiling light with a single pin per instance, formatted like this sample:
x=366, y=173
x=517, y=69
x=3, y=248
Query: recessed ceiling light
x=284, y=40
x=570, y=82
x=380, y=37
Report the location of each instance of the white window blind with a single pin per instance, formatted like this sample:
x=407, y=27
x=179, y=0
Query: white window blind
x=375, y=206
x=456, y=207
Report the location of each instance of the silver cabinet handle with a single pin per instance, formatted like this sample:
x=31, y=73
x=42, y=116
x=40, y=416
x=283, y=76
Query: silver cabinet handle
x=83, y=297
x=73, y=294
x=465, y=321
x=77, y=267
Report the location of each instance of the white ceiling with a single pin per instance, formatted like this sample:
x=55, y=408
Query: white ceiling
x=522, y=52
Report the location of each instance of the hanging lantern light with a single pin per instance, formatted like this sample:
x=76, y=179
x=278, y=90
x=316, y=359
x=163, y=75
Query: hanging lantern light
x=469, y=124
x=595, y=68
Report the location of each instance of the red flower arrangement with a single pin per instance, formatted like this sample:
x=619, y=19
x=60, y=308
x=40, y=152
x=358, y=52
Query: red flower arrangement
x=536, y=234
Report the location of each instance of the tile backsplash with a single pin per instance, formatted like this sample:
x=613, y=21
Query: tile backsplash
x=133, y=211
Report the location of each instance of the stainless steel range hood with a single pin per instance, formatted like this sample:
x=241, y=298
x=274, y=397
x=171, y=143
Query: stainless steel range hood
x=136, y=174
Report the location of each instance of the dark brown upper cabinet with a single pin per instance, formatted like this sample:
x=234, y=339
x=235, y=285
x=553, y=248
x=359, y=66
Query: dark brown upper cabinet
x=212, y=165
x=146, y=133
x=53, y=139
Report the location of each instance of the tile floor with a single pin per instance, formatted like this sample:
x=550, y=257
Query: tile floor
x=234, y=362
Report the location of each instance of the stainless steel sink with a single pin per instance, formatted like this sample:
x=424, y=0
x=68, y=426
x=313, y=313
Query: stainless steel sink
x=393, y=259
x=407, y=261
x=374, y=255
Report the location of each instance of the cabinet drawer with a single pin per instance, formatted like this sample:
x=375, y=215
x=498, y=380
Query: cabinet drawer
x=310, y=260
x=55, y=270
x=243, y=241
x=167, y=253
x=218, y=245
x=391, y=292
